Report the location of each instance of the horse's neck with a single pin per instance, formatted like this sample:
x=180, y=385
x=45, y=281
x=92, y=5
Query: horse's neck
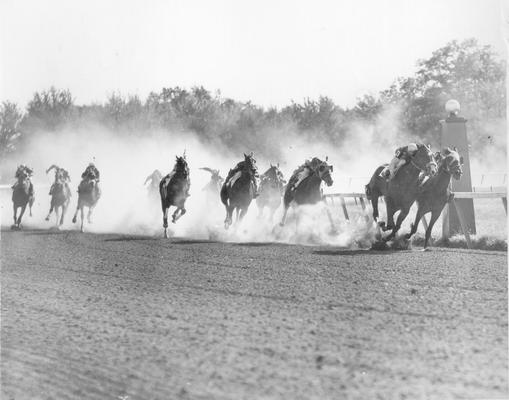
x=443, y=178
x=313, y=180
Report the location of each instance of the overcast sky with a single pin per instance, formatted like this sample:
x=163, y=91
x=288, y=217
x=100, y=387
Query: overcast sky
x=266, y=51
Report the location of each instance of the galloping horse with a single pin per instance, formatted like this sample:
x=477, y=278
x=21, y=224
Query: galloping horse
x=435, y=193
x=174, y=190
x=88, y=196
x=238, y=192
x=22, y=195
x=60, y=197
x=401, y=191
x=308, y=191
x=271, y=190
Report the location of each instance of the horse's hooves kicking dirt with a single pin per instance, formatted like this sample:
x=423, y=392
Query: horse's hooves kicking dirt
x=380, y=245
x=401, y=243
x=15, y=228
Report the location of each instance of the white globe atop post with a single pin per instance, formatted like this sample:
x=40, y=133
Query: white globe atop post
x=452, y=107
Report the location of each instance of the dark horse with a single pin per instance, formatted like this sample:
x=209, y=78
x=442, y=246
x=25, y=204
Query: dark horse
x=238, y=192
x=60, y=197
x=88, y=196
x=308, y=191
x=435, y=193
x=22, y=195
x=271, y=190
x=174, y=190
x=401, y=191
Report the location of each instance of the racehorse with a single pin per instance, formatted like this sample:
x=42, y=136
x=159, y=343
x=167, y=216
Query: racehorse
x=401, y=191
x=60, y=197
x=271, y=190
x=308, y=191
x=88, y=196
x=435, y=193
x=174, y=190
x=22, y=195
x=238, y=192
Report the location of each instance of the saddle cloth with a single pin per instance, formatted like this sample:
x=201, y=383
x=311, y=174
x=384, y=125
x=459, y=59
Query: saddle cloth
x=234, y=178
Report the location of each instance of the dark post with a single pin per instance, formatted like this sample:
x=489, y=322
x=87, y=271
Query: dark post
x=454, y=134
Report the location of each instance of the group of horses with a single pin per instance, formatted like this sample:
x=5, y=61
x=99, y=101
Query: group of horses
x=23, y=196
x=237, y=193
x=425, y=180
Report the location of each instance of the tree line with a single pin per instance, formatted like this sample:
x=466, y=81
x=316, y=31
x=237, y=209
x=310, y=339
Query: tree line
x=471, y=73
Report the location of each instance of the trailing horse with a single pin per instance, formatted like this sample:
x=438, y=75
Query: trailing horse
x=271, y=190
x=401, y=191
x=213, y=187
x=238, y=191
x=174, y=190
x=60, y=197
x=435, y=193
x=308, y=190
x=22, y=195
x=88, y=196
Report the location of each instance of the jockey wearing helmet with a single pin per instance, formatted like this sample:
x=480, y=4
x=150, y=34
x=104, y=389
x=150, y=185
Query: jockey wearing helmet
x=402, y=156
x=91, y=172
x=303, y=172
x=241, y=166
x=24, y=171
x=61, y=175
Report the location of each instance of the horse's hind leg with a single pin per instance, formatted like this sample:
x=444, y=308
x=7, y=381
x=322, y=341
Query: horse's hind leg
x=14, y=216
x=30, y=204
x=228, y=219
x=89, y=214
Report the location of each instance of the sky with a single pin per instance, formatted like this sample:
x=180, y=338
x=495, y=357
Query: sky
x=265, y=51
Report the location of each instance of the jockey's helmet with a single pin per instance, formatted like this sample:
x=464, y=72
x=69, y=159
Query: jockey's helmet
x=412, y=147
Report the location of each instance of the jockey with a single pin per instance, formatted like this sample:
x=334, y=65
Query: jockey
x=402, y=156
x=91, y=172
x=154, y=177
x=26, y=171
x=303, y=172
x=241, y=166
x=60, y=175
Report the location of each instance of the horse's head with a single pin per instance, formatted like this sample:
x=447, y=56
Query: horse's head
x=250, y=162
x=323, y=170
x=424, y=159
x=451, y=162
x=274, y=175
x=181, y=165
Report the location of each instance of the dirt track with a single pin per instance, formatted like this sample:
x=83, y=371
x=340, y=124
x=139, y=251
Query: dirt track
x=111, y=317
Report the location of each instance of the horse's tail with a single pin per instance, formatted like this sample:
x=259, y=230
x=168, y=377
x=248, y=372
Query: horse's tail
x=224, y=195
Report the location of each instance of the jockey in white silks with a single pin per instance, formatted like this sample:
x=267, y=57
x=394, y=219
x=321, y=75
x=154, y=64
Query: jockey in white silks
x=402, y=156
x=303, y=172
x=61, y=175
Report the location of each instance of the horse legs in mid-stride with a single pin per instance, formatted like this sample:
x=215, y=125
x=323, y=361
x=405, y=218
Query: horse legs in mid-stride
x=17, y=219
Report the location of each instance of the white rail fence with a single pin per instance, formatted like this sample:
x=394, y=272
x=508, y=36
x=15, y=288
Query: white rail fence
x=361, y=197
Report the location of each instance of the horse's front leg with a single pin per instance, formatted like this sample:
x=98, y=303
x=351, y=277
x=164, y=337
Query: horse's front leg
x=283, y=220
x=165, y=221
x=82, y=214
x=50, y=210
x=179, y=212
x=89, y=214
x=391, y=210
x=23, y=208
x=14, y=213
x=434, y=216
x=415, y=225
x=64, y=210
x=401, y=217
x=228, y=219
x=76, y=213
x=374, y=204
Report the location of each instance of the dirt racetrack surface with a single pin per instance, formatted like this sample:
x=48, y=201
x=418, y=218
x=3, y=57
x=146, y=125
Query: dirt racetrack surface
x=87, y=316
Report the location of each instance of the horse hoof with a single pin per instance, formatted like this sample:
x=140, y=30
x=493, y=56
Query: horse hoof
x=74, y=220
x=47, y=218
x=426, y=249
